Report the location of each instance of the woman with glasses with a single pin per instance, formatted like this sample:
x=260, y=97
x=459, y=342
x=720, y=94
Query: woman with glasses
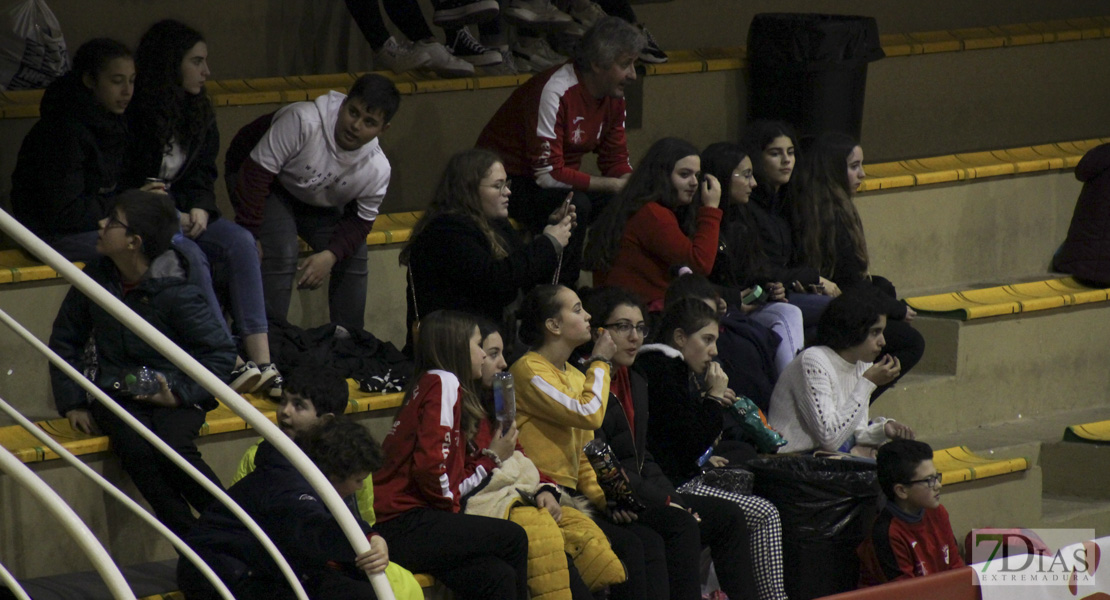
x=465, y=255
x=821, y=401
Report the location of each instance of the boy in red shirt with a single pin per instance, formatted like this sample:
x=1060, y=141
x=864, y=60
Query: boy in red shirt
x=912, y=536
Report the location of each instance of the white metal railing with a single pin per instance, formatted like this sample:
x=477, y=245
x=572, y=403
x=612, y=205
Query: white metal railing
x=70, y=522
x=107, y=486
x=13, y=585
x=209, y=382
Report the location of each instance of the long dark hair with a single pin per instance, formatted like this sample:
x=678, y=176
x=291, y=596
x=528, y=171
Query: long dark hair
x=822, y=205
x=650, y=182
x=94, y=55
x=739, y=232
x=444, y=343
x=457, y=193
x=164, y=111
x=757, y=136
x=689, y=314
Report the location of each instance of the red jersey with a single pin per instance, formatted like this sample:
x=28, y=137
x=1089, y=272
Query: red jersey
x=425, y=456
x=899, y=549
x=548, y=124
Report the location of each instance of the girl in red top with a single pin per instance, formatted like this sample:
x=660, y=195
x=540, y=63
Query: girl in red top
x=417, y=490
x=640, y=239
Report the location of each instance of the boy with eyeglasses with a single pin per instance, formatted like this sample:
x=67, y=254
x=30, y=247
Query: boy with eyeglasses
x=912, y=536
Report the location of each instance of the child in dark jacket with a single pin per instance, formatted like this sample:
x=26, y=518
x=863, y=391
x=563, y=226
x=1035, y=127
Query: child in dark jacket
x=287, y=508
x=912, y=536
x=142, y=269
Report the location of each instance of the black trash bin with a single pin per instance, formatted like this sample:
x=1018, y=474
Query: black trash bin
x=826, y=507
x=810, y=70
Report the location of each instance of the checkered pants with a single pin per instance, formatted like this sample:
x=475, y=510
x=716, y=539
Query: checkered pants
x=763, y=521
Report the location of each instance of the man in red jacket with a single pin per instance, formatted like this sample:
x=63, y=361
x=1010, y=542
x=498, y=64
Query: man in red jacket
x=545, y=128
x=912, y=536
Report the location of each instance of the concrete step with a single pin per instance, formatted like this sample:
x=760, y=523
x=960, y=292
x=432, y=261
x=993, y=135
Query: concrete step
x=1072, y=512
x=1077, y=469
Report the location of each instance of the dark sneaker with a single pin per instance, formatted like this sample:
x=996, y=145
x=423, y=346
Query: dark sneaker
x=652, y=53
x=245, y=377
x=277, y=384
x=268, y=374
x=464, y=46
x=456, y=13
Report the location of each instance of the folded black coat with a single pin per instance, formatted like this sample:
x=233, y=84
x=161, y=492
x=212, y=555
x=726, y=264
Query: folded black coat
x=354, y=353
x=1086, y=251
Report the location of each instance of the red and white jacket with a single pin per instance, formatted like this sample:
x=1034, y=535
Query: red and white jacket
x=548, y=124
x=425, y=453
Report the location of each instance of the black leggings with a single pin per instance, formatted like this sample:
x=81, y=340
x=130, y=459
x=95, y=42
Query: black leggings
x=405, y=14
x=644, y=556
x=475, y=557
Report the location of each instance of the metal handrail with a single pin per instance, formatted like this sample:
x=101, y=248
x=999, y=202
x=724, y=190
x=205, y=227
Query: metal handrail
x=13, y=585
x=209, y=382
x=70, y=522
x=107, y=486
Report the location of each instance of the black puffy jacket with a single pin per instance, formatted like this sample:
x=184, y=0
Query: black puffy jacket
x=169, y=298
x=1086, y=251
x=194, y=185
x=69, y=166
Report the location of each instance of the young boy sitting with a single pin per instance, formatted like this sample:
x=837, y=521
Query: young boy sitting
x=312, y=395
x=287, y=508
x=911, y=537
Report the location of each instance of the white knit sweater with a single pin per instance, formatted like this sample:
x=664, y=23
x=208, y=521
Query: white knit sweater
x=821, y=401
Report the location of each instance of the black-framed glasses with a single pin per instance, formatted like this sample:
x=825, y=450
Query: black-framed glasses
x=501, y=186
x=932, y=481
x=625, y=328
x=114, y=223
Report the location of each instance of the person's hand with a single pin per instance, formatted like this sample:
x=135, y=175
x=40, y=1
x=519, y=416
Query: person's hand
x=722, y=306
x=158, y=187
x=910, y=314
x=829, y=288
x=747, y=308
x=716, y=380
x=564, y=210
x=884, y=370
x=314, y=269
x=711, y=191
x=604, y=346
x=503, y=445
x=376, y=559
x=546, y=500
x=621, y=517
x=561, y=230
x=199, y=218
x=729, y=397
x=717, y=461
x=81, y=420
x=163, y=397
x=776, y=292
x=895, y=430
x=185, y=220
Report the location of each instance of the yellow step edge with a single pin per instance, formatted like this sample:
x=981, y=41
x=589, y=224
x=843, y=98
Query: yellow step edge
x=960, y=464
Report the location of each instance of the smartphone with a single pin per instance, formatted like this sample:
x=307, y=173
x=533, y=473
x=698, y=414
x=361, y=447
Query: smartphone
x=753, y=296
x=566, y=206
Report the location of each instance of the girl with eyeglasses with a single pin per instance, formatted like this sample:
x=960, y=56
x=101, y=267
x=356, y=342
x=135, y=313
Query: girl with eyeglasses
x=465, y=255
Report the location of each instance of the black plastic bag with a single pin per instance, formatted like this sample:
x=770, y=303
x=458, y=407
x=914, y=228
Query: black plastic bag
x=827, y=507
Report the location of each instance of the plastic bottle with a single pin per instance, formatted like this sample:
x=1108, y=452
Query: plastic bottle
x=504, y=400
x=140, y=382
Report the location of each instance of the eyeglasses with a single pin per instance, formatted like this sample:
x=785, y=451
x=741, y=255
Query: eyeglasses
x=625, y=328
x=500, y=186
x=932, y=481
x=114, y=223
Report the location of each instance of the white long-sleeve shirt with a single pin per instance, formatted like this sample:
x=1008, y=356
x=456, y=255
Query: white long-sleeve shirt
x=821, y=401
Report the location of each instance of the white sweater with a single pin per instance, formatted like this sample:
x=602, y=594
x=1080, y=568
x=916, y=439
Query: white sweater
x=821, y=401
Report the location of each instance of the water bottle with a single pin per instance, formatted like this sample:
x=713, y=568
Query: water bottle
x=141, y=382
x=504, y=400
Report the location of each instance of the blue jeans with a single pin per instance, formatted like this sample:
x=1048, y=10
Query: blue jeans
x=81, y=247
x=230, y=247
x=283, y=219
x=812, y=305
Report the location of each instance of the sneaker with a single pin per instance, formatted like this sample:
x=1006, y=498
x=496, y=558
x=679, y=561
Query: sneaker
x=456, y=13
x=472, y=51
x=268, y=373
x=652, y=53
x=400, y=56
x=536, y=54
x=277, y=385
x=442, y=63
x=536, y=13
x=507, y=66
x=585, y=18
x=245, y=377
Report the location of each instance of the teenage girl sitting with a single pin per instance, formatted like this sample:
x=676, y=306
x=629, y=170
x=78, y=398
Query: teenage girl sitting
x=558, y=409
x=418, y=488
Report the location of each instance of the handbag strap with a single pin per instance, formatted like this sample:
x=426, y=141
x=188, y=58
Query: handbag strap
x=412, y=290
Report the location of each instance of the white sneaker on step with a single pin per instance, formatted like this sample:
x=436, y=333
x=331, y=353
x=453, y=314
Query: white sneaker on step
x=400, y=56
x=536, y=54
x=443, y=63
x=536, y=13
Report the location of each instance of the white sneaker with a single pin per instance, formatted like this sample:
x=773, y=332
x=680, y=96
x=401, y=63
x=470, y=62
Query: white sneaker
x=400, y=56
x=464, y=46
x=536, y=54
x=585, y=18
x=536, y=13
x=442, y=62
x=508, y=65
